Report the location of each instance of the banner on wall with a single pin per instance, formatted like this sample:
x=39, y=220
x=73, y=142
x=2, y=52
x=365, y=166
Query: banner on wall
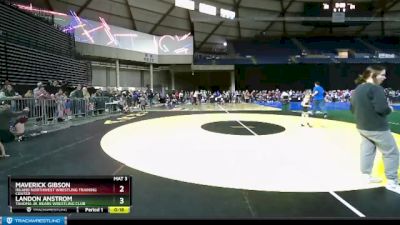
x=101, y=33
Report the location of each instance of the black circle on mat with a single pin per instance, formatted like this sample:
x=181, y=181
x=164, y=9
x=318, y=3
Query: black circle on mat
x=236, y=128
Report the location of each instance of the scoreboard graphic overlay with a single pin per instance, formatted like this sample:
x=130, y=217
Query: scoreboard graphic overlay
x=101, y=194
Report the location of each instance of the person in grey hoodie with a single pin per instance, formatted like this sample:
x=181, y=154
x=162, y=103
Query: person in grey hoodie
x=370, y=108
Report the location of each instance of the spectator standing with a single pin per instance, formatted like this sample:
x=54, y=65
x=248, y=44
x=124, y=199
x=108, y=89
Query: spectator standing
x=77, y=98
x=319, y=99
x=370, y=108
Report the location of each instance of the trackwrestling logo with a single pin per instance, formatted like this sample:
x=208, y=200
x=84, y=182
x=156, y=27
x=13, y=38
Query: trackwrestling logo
x=34, y=220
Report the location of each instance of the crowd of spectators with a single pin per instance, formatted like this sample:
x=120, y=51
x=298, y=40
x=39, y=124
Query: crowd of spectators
x=59, y=101
x=67, y=101
x=277, y=95
x=65, y=97
x=63, y=101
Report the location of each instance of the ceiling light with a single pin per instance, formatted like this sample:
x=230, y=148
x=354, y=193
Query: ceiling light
x=227, y=14
x=187, y=4
x=207, y=9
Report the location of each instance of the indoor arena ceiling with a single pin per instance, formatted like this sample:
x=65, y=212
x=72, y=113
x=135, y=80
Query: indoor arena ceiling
x=160, y=17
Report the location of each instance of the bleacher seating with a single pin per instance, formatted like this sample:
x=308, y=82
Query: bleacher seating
x=2, y=61
x=24, y=29
x=394, y=60
x=362, y=55
x=317, y=50
x=385, y=44
x=32, y=50
x=210, y=59
x=331, y=44
x=359, y=60
x=314, y=60
x=27, y=66
x=222, y=61
x=267, y=52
